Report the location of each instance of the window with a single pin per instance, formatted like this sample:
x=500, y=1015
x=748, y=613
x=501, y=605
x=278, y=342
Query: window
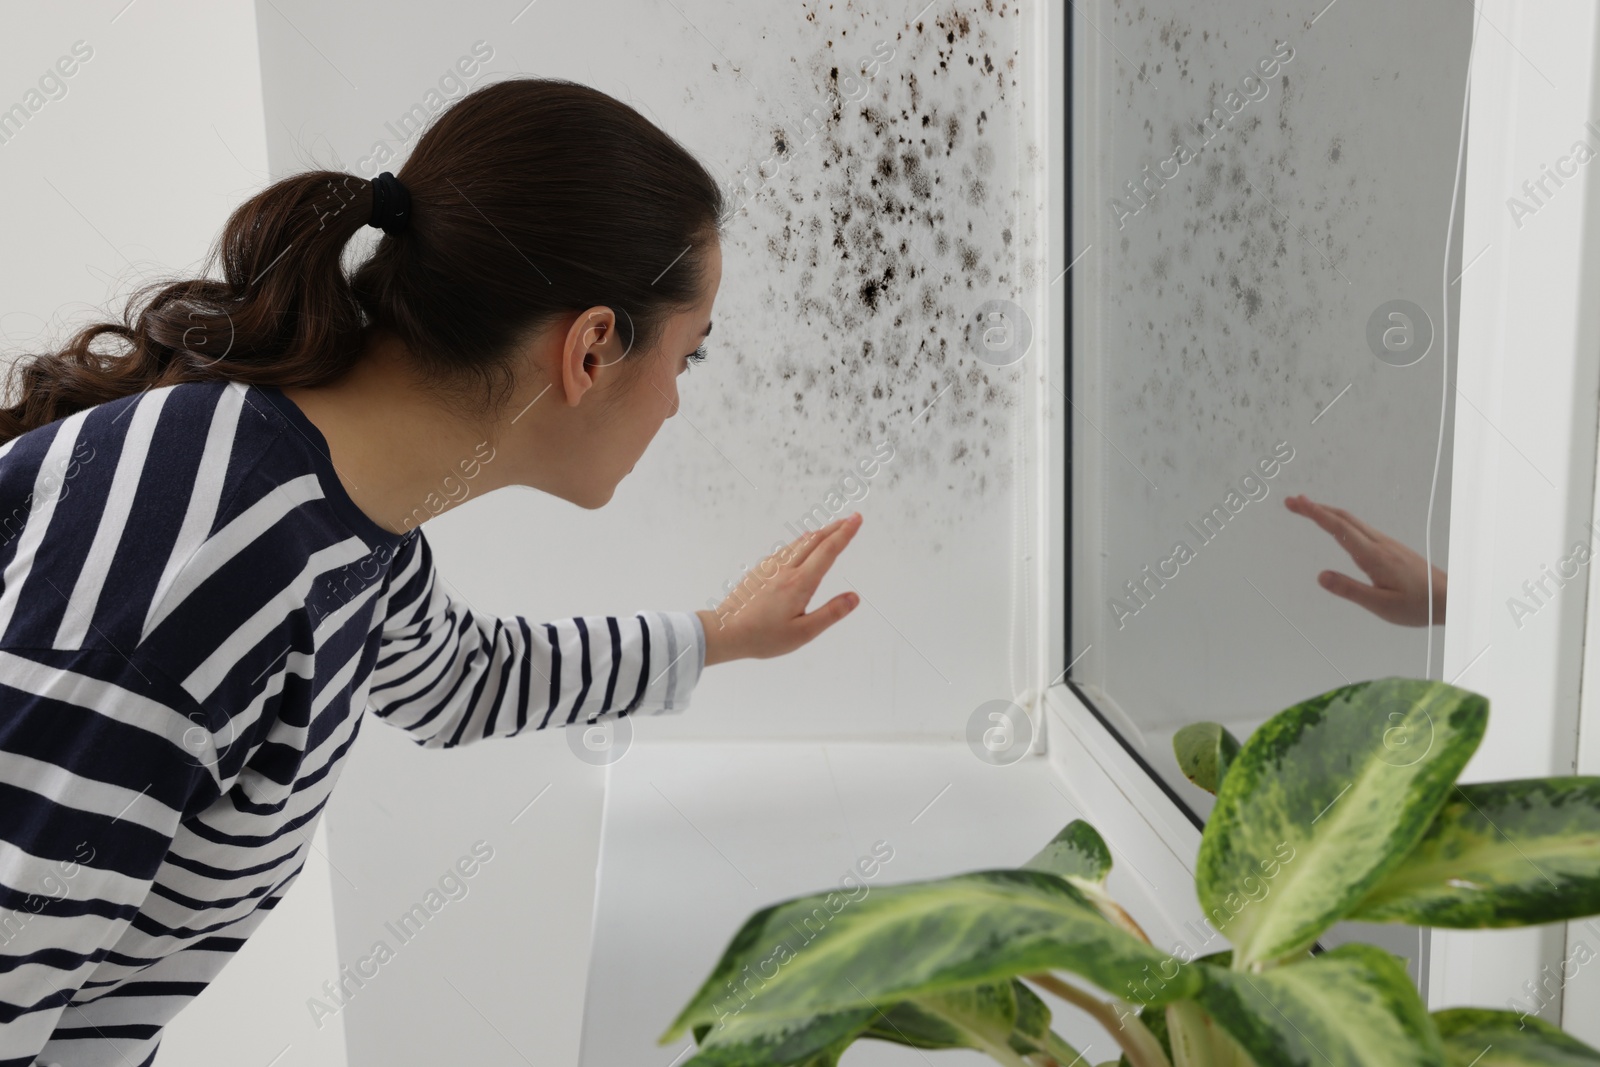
x=1266, y=239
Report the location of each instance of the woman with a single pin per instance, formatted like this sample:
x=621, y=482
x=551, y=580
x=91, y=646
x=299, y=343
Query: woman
x=212, y=554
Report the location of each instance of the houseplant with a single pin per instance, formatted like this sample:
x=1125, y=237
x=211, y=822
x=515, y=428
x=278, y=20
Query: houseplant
x=1344, y=806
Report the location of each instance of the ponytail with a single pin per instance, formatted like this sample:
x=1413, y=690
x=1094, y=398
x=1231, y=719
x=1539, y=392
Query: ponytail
x=530, y=198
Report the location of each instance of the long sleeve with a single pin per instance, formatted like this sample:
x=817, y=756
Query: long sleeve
x=99, y=758
x=450, y=678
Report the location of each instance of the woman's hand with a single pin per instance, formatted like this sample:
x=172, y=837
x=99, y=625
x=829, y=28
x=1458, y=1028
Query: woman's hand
x=765, y=615
x=1399, y=589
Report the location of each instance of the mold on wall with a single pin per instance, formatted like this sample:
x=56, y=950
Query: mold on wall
x=876, y=198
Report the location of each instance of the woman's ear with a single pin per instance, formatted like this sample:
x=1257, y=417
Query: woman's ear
x=584, y=350
x=592, y=347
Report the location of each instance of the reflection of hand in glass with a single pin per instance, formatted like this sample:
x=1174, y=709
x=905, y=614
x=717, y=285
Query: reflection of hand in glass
x=1399, y=589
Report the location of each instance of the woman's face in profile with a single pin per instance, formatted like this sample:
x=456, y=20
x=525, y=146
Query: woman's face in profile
x=632, y=395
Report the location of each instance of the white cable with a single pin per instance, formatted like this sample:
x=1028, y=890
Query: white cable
x=1444, y=355
x=1022, y=490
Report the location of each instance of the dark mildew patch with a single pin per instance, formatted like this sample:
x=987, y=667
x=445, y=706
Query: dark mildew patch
x=854, y=271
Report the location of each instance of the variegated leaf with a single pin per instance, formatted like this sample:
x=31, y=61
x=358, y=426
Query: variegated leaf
x=1514, y=853
x=741, y=1040
x=1323, y=802
x=1032, y=1033
x=1033, y=1018
x=1479, y=1037
x=1077, y=852
x=974, y=1018
x=949, y=1020
x=1080, y=855
x=996, y=1015
x=1205, y=750
x=826, y=953
x=1352, y=1007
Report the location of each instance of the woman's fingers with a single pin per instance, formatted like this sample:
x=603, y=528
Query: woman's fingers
x=1375, y=535
x=1373, y=599
x=802, y=546
x=826, y=549
x=830, y=613
x=1350, y=536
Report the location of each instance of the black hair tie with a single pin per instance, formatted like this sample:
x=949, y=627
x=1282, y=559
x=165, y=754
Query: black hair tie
x=391, y=204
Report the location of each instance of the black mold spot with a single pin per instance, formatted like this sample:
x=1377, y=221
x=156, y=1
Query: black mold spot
x=865, y=261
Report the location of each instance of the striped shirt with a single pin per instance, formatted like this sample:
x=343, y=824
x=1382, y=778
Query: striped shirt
x=193, y=613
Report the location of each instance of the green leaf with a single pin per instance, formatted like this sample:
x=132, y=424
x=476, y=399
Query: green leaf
x=1351, y=1007
x=1323, y=801
x=1505, y=1039
x=1515, y=853
x=1078, y=852
x=1080, y=855
x=1032, y=1033
x=981, y=1018
x=996, y=1015
x=949, y=1020
x=828, y=952
x=1204, y=751
x=1032, y=1018
x=909, y=1023
x=828, y=1057
x=1156, y=1021
x=1032, y=1026
x=993, y=1018
x=778, y=1042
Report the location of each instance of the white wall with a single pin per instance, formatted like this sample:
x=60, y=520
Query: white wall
x=125, y=177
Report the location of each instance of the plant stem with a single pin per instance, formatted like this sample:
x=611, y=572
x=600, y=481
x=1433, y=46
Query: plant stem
x=1051, y=1051
x=1141, y=1046
x=1127, y=922
x=1000, y=1053
x=1065, y=1054
x=1117, y=914
x=1190, y=1034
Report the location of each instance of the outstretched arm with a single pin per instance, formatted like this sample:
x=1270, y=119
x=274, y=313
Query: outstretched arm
x=450, y=677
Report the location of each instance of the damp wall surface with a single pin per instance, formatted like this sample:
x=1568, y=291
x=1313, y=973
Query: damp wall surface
x=879, y=211
x=1265, y=177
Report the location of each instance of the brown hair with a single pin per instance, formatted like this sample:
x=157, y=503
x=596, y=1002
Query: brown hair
x=530, y=198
